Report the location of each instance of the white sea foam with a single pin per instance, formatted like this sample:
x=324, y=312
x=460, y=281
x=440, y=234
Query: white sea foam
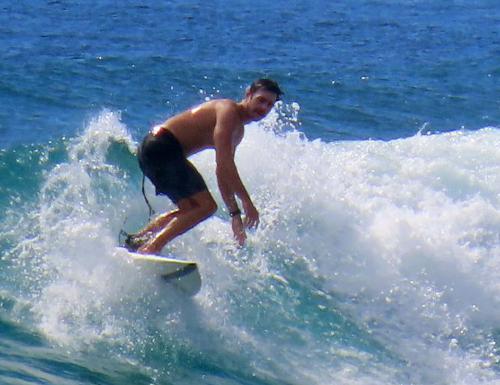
x=408, y=230
x=401, y=238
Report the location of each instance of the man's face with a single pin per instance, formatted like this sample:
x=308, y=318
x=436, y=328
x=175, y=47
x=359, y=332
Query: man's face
x=260, y=103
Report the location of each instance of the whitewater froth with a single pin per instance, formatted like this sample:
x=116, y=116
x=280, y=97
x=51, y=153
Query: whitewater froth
x=406, y=231
x=394, y=243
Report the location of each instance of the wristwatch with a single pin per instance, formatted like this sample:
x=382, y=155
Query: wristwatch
x=234, y=213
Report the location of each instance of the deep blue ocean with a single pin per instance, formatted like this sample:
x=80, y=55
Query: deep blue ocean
x=377, y=178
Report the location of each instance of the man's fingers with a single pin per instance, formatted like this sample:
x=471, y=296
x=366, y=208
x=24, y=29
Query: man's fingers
x=251, y=222
x=241, y=237
x=239, y=231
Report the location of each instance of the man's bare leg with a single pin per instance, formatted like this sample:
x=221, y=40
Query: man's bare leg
x=134, y=241
x=158, y=223
x=192, y=211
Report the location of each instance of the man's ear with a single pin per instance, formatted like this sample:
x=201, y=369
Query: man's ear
x=248, y=93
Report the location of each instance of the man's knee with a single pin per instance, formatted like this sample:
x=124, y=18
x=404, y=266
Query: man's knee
x=210, y=207
x=205, y=204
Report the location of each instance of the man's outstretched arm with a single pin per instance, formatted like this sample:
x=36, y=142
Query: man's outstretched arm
x=228, y=178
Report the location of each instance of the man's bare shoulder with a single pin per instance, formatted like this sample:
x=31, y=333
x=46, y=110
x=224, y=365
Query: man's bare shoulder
x=228, y=111
x=218, y=106
x=225, y=105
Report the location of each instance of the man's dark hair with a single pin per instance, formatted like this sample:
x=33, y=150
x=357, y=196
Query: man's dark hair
x=268, y=85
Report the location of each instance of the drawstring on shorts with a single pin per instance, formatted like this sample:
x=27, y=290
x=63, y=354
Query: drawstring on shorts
x=151, y=211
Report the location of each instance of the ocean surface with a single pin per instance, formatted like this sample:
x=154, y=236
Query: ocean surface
x=377, y=178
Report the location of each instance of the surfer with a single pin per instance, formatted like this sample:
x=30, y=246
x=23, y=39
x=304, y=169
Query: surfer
x=217, y=124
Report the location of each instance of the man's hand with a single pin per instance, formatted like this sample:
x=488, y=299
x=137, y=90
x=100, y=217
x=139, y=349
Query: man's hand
x=251, y=215
x=238, y=229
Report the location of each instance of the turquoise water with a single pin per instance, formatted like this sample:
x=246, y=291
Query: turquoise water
x=377, y=179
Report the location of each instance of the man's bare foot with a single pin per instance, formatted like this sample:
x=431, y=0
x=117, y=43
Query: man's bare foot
x=133, y=241
x=146, y=248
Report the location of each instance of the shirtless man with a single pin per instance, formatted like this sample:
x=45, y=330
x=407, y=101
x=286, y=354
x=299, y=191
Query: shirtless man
x=217, y=124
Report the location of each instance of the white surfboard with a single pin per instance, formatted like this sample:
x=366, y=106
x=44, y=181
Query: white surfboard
x=183, y=275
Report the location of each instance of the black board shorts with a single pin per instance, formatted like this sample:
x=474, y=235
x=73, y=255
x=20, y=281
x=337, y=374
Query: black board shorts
x=162, y=160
